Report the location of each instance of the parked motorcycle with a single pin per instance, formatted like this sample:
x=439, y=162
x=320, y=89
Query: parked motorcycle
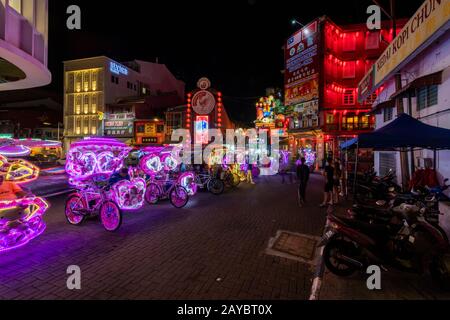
x=405, y=241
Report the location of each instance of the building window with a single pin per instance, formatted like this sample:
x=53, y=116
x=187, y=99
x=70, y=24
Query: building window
x=373, y=40
x=371, y=99
x=388, y=114
x=349, y=70
x=78, y=104
x=86, y=104
x=349, y=43
x=349, y=97
x=427, y=97
x=94, y=103
x=330, y=118
x=113, y=79
x=94, y=80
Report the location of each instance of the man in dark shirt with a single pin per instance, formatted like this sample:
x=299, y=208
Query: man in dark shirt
x=303, y=178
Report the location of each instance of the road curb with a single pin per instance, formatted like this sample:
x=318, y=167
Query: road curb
x=55, y=194
x=318, y=274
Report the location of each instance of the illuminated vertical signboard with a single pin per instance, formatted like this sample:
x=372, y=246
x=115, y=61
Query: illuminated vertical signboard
x=201, y=129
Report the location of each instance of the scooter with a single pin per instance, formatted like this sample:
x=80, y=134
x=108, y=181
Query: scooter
x=407, y=242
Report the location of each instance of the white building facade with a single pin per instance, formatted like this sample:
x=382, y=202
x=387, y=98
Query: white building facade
x=23, y=44
x=428, y=99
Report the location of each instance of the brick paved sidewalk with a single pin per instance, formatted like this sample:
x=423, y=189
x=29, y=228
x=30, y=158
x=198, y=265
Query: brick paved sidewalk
x=212, y=249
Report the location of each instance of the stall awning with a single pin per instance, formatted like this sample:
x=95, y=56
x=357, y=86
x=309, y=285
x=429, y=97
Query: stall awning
x=403, y=132
x=428, y=80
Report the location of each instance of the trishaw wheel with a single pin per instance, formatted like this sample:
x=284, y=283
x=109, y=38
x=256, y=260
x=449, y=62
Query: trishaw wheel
x=179, y=197
x=73, y=204
x=152, y=194
x=216, y=186
x=111, y=216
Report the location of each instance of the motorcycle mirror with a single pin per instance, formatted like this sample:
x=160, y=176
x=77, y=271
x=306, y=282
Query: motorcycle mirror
x=391, y=189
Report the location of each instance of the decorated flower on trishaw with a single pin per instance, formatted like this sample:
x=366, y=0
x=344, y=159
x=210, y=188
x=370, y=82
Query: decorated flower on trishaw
x=21, y=220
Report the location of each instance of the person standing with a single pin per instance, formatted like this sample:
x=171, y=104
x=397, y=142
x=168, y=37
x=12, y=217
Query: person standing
x=303, y=178
x=329, y=183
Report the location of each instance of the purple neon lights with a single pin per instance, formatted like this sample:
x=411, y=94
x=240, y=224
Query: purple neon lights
x=129, y=195
x=95, y=155
x=16, y=232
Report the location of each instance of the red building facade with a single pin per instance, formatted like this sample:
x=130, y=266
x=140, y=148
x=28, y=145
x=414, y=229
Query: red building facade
x=322, y=101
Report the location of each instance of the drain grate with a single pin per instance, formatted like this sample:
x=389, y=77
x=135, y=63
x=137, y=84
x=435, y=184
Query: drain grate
x=294, y=246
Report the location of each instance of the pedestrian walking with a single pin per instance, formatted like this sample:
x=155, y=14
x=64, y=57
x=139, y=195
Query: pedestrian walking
x=303, y=178
x=249, y=177
x=329, y=183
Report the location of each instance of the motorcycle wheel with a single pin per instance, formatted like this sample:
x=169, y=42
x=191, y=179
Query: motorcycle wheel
x=179, y=197
x=333, y=263
x=216, y=186
x=72, y=217
x=111, y=216
x=440, y=272
x=152, y=194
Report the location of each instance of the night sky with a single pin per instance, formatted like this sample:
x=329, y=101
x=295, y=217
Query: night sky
x=236, y=43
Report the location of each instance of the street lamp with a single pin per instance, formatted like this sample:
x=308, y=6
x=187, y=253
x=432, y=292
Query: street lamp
x=294, y=22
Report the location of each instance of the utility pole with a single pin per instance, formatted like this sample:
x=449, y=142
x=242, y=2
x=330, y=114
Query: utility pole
x=400, y=108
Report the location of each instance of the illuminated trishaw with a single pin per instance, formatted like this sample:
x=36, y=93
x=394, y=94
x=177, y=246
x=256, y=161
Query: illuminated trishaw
x=159, y=164
x=21, y=220
x=90, y=164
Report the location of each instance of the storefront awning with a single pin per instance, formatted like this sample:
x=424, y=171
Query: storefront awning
x=428, y=80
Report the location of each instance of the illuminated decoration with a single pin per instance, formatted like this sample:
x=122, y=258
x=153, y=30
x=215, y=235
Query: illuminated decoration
x=189, y=110
x=16, y=232
x=3, y=161
x=21, y=171
x=117, y=68
x=151, y=164
x=201, y=130
x=95, y=155
x=129, y=195
x=170, y=163
x=16, y=148
x=203, y=102
x=204, y=83
x=187, y=180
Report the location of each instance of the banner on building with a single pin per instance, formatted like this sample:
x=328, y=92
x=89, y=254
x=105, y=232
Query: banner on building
x=302, y=65
x=433, y=16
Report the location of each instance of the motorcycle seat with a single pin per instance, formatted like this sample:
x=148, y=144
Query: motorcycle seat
x=374, y=230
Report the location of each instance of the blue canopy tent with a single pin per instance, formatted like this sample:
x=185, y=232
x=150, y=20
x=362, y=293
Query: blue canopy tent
x=402, y=134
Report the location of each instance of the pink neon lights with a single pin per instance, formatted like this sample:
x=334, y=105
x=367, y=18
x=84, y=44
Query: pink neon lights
x=187, y=180
x=95, y=155
x=22, y=147
x=151, y=164
x=16, y=232
x=129, y=195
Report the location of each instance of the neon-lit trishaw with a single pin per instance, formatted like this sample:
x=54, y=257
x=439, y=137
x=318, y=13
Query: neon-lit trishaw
x=21, y=220
x=163, y=183
x=90, y=165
